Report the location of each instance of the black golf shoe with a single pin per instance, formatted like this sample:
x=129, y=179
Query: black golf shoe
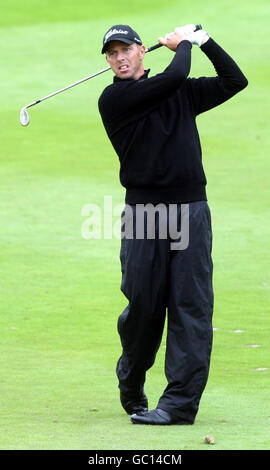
x=157, y=417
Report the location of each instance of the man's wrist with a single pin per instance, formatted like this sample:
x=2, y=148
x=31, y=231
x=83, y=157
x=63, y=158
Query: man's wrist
x=207, y=44
x=205, y=39
x=185, y=41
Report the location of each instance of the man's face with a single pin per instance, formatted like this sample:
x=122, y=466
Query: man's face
x=126, y=60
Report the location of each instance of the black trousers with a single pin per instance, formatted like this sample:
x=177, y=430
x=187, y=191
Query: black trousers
x=156, y=279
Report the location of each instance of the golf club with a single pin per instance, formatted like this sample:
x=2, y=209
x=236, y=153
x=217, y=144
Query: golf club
x=24, y=116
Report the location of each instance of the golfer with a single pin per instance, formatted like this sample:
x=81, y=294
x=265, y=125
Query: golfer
x=151, y=123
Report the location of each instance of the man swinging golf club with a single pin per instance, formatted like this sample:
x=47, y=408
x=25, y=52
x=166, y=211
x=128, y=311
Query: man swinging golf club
x=150, y=122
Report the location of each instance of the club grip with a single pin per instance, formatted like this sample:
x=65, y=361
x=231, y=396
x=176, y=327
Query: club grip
x=156, y=46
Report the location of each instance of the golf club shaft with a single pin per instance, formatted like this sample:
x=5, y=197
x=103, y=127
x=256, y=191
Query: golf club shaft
x=156, y=46
x=67, y=87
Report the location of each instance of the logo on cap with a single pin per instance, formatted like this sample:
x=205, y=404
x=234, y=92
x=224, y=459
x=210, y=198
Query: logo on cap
x=114, y=31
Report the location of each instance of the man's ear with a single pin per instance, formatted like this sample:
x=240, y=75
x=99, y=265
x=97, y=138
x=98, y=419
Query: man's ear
x=142, y=52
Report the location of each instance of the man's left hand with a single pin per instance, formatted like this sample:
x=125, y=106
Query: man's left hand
x=199, y=37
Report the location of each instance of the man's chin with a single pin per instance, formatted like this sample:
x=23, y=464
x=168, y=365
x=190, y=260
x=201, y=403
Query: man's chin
x=125, y=74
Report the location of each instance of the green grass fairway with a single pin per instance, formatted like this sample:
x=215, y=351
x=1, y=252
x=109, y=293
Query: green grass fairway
x=60, y=293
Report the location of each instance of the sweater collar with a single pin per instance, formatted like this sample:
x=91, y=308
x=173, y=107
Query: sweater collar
x=143, y=77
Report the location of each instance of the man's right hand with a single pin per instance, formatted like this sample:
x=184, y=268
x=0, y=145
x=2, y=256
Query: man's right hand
x=172, y=40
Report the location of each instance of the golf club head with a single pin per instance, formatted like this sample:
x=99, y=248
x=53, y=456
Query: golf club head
x=24, y=117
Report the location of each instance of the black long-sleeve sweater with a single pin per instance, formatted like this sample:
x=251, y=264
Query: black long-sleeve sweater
x=151, y=123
